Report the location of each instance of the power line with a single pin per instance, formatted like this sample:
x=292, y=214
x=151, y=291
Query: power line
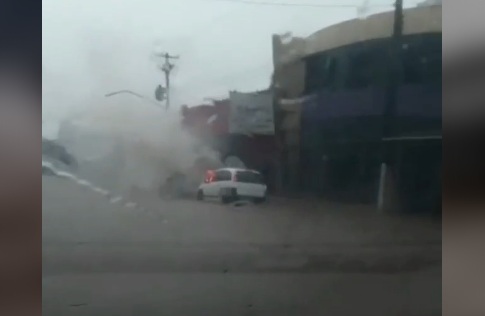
x=308, y=5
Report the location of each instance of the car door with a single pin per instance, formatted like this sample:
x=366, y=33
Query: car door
x=250, y=183
x=224, y=178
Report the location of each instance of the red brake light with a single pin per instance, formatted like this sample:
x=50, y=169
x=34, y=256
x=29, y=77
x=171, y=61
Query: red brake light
x=234, y=178
x=209, y=176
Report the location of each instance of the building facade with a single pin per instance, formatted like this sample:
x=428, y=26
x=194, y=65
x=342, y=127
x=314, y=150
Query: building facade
x=427, y=3
x=343, y=82
x=211, y=124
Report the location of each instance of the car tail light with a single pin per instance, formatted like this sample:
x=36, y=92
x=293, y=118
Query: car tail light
x=209, y=176
x=234, y=178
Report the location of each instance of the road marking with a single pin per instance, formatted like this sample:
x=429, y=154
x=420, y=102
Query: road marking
x=113, y=199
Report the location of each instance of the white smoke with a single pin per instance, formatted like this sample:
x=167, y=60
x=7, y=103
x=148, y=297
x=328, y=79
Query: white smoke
x=153, y=143
x=121, y=141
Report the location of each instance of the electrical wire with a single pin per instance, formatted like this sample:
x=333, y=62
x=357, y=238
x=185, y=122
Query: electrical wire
x=294, y=4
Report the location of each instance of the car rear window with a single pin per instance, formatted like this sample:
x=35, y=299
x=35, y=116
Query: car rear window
x=223, y=175
x=249, y=177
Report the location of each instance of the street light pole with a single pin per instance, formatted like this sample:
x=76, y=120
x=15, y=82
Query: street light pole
x=132, y=93
x=395, y=71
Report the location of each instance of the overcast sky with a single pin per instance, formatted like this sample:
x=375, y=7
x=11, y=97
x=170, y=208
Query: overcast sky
x=92, y=47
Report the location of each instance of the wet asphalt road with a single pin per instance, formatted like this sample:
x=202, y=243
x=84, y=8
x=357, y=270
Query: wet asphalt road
x=190, y=258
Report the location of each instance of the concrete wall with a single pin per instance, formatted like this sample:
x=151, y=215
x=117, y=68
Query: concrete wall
x=290, y=79
x=426, y=3
x=416, y=21
x=287, y=48
x=289, y=83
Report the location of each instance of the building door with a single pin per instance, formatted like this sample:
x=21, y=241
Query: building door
x=420, y=176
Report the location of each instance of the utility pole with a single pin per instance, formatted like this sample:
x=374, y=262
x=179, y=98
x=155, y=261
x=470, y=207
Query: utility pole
x=395, y=71
x=389, y=112
x=167, y=68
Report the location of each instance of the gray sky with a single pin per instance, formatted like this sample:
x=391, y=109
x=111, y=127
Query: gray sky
x=92, y=47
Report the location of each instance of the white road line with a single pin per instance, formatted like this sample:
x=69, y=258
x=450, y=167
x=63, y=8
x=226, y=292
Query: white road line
x=85, y=183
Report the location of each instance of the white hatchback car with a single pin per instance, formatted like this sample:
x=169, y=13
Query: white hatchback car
x=231, y=184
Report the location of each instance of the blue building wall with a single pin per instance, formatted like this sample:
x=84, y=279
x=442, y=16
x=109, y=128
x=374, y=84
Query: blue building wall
x=342, y=122
x=356, y=115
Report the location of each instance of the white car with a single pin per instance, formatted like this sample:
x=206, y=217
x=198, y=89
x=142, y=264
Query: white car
x=231, y=184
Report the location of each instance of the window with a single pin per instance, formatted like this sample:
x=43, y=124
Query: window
x=249, y=177
x=330, y=72
x=365, y=65
x=321, y=72
x=223, y=175
x=422, y=59
x=314, y=73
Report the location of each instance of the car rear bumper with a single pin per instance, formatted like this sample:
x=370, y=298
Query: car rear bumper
x=235, y=193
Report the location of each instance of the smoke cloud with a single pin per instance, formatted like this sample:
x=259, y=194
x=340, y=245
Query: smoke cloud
x=128, y=142
x=123, y=141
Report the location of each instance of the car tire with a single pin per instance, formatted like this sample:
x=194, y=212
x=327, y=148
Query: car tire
x=200, y=195
x=225, y=200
